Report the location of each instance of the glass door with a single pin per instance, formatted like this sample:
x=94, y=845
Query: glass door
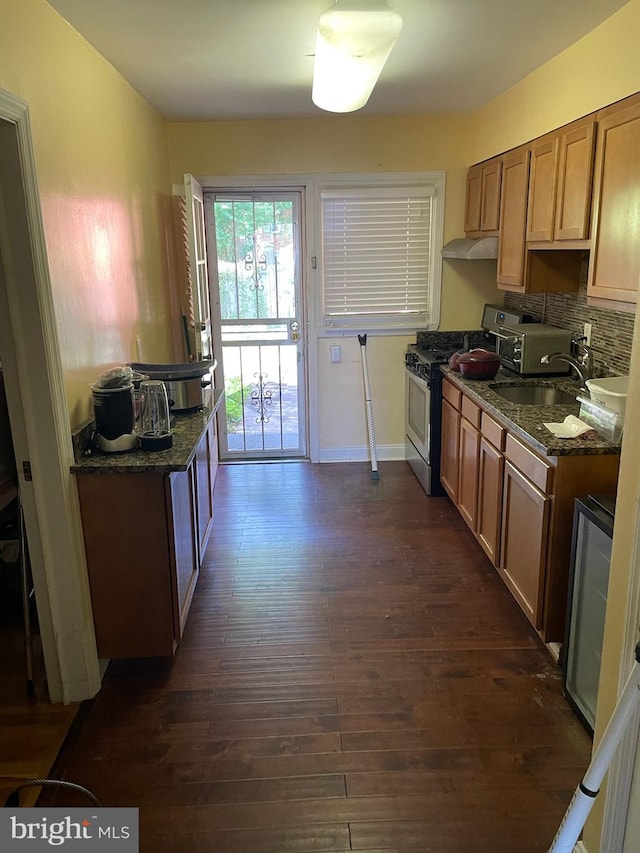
x=258, y=328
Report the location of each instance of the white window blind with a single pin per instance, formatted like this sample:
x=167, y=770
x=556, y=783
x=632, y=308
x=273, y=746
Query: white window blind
x=376, y=254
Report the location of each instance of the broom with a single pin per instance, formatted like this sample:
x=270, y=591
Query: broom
x=362, y=339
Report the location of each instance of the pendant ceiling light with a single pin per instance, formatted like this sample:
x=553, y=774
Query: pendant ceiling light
x=353, y=42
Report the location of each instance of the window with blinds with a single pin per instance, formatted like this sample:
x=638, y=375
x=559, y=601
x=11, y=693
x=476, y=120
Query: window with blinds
x=377, y=256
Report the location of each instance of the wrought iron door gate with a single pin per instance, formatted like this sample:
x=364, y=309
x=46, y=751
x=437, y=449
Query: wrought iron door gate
x=258, y=336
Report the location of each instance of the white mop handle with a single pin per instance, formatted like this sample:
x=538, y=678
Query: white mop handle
x=586, y=792
x=362, y=339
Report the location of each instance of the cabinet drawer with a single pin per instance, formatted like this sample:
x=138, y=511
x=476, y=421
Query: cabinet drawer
x=493, y=432
x=535, y=469
x=452, y=394
x=471, y=412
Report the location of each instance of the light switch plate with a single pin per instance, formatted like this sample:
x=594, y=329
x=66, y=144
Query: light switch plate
x=336, y=353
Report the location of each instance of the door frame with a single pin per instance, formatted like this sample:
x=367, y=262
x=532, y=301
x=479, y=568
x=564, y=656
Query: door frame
x=296, y=197
x=40, y=420
x=303, y=185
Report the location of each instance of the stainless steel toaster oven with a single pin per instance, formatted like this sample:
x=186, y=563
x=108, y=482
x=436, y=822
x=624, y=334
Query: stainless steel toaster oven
x=522, y=345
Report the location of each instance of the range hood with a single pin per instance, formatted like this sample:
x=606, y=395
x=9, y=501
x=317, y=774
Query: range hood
x=471, y=250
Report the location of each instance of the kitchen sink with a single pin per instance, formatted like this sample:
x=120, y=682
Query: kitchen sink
x=534, y=395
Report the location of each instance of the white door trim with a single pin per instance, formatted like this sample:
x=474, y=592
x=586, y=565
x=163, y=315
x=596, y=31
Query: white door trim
x=40, y=419
x=620, y=775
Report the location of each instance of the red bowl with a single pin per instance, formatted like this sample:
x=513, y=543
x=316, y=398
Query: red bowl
x=479, y=364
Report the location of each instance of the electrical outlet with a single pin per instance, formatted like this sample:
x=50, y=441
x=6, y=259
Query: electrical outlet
x=587, y=333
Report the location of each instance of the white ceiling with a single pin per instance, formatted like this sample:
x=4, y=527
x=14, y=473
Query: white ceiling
x=223, y=59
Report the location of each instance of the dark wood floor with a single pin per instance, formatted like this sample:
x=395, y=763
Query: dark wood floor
x=353, y=676
x=31, y=728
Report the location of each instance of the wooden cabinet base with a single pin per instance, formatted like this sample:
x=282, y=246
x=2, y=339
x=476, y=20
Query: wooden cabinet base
x=141, y=573
x=518, y=504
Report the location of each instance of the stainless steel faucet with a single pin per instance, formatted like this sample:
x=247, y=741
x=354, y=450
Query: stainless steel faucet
x=582, y=364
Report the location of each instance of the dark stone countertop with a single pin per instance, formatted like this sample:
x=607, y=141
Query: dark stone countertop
x=187, y=432
x=528, y=421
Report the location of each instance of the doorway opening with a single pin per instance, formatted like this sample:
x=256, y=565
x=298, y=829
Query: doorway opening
x=253, y=239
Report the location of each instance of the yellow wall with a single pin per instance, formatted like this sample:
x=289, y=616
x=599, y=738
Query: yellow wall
x=600, y=69
x=345, y=144
x=103, y=177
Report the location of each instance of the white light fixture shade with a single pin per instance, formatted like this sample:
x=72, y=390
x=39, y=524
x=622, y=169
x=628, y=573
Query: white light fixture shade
x=352, y=46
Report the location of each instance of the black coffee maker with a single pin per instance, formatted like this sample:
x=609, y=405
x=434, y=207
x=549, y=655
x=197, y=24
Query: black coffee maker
x=114, y=412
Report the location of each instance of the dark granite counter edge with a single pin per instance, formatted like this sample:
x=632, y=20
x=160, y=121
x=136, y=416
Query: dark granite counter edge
x=187, y=432
x=527, y=421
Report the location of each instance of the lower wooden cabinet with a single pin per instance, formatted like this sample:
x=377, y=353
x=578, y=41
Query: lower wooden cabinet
x=518, y=504
x=468, y=472
x=525, y=525
x=184, y=561
x=145, y=535
x=490, y=485
x=450, y=452
x=206, y=466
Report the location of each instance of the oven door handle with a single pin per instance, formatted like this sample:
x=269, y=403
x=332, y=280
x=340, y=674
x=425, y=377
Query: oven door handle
x=512, y=338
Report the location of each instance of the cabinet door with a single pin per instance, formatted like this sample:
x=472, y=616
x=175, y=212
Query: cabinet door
x=490, y=196
x=472, y=208
x=213, y=453
x=184, y=535
x=614, y=268
x=525, y=523
x=575, y=178
x=449, y=466
x=468, y=472
x=490, y=483
x=128, y=547
x=482, y=204
x=513, y=215
x=204, y=491
x=542, y=189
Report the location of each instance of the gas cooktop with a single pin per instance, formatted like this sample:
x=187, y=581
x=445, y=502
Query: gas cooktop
x=430, y=355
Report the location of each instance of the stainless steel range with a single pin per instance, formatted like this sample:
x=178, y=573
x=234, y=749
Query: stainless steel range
x=423, y=404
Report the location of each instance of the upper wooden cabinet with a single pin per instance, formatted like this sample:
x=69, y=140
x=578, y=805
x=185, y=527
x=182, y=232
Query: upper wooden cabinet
x=482, y=205
x=545, y=202
x=560, y=185
x=575, y=176
x=557, y=203
x=614, y=269
x=513, y=212
x=543, y=177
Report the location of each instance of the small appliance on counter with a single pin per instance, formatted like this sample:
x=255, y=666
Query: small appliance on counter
x=522, y=345
x=153, y=425
x=495, y=317
x=186, y=383
x=521, y=341
x=114, y=411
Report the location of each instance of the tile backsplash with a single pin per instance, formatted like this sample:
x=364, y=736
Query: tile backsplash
x=612, y=332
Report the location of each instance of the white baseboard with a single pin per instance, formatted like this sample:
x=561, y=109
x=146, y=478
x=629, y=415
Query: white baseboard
x=384, y=453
